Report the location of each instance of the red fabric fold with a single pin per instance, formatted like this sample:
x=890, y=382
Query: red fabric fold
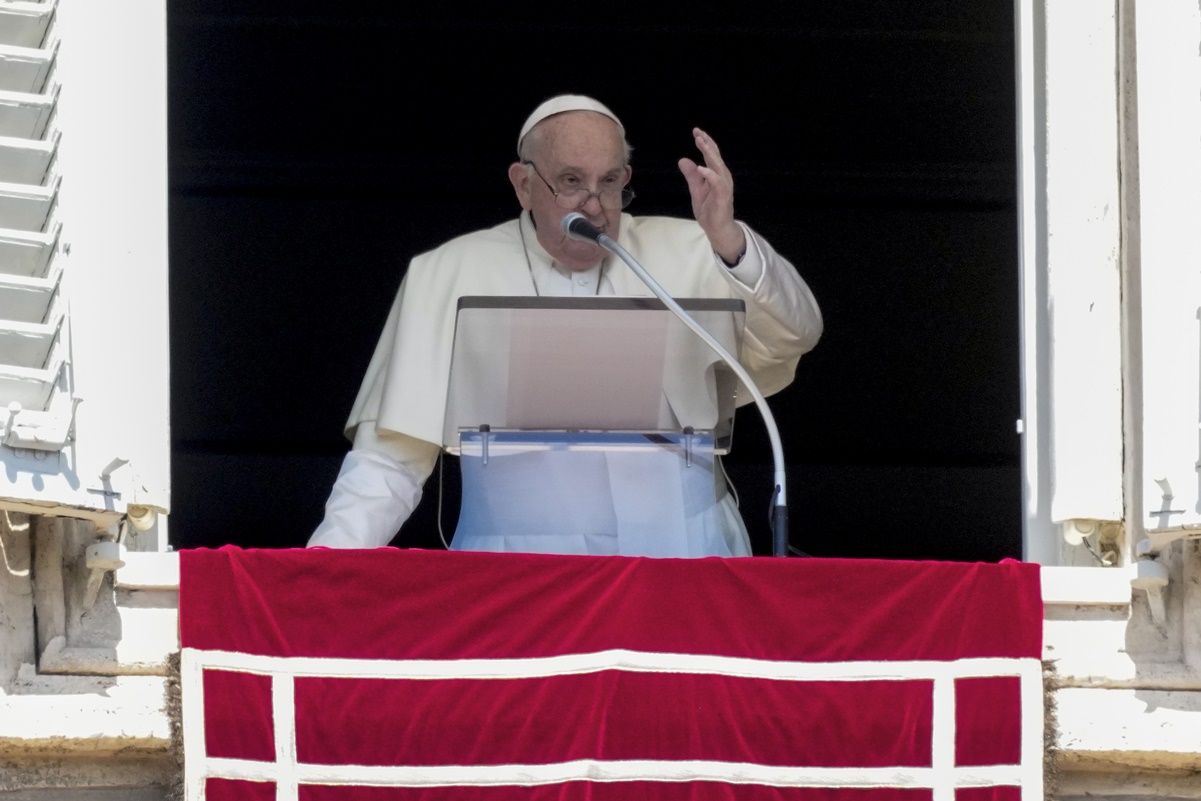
x=397, y=604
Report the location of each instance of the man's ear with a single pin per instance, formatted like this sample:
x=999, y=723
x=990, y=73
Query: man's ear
x=519, y=176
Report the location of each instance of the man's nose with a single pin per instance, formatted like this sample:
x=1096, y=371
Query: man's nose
x=592, y=205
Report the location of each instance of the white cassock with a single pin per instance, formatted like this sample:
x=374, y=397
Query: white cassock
x=397, y=418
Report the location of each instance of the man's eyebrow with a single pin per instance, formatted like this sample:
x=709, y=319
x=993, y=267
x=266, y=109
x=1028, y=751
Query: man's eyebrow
x=581, y=170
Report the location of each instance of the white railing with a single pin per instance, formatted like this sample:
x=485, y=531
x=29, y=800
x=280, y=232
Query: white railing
x=942, y=777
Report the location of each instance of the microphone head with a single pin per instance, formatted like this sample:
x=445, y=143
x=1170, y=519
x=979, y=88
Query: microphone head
x=576, y=226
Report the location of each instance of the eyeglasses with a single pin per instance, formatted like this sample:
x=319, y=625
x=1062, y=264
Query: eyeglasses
x=570, y=195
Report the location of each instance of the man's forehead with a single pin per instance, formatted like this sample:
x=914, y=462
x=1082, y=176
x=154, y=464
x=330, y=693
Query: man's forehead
x=580, y=141
x=587, y=124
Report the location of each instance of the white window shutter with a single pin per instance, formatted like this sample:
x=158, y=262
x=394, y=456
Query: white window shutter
x=84, y=426
x=1169, y=257
x=34, y=372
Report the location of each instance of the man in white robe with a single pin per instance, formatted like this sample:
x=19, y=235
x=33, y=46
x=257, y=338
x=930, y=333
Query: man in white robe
x=572, y=157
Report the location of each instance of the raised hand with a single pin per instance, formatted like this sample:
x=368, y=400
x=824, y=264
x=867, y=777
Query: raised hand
x=712, y=188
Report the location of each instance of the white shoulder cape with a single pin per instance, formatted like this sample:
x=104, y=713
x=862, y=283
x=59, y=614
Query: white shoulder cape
x=404, y=389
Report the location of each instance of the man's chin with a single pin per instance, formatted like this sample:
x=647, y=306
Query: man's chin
x=582, y=255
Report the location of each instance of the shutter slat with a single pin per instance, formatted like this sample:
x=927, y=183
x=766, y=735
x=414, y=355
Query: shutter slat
x=33, y=328
x=25, y=69
x=25, y=24
x=27, y=253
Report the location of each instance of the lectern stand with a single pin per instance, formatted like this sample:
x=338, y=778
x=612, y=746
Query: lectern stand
x=590, y=425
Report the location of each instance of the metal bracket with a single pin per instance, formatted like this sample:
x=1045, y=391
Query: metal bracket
x=101, y=557
x=1152, y=578
x=50, y=432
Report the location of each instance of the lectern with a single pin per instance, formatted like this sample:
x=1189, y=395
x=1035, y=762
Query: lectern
x=590, y=425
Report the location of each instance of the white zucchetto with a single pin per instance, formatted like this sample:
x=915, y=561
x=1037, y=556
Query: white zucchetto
x=564, y=103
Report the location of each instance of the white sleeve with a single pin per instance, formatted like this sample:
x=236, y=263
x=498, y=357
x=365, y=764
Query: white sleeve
x=783, y=321
x=377, y=489
x=749, y=269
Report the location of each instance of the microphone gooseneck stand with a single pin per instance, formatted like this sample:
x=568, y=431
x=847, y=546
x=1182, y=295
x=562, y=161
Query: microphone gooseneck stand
x=576, y=226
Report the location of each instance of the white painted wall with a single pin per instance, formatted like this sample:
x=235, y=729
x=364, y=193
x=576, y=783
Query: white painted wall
x=114, y=205
x=1110, y=194
x=104, y=734
x=1070, y=230
x=1168, y=37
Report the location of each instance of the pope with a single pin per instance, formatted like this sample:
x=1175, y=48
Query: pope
x=573, y=156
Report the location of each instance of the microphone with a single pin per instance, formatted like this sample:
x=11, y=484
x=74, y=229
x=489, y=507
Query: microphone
x=576, y=226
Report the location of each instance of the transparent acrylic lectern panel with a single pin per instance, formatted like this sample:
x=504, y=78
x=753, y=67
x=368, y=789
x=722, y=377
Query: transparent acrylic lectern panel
x=591, y=364
x=597, y=493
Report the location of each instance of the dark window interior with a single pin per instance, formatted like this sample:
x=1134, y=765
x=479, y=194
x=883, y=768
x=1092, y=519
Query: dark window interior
x=316, y=147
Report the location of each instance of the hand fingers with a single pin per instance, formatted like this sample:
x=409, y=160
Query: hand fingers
x=692, y=174
x=702, y=173
x=714, y=181
x=706, y=186
x=708, y=147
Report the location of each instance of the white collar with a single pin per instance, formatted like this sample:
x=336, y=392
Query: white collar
x=550, y=277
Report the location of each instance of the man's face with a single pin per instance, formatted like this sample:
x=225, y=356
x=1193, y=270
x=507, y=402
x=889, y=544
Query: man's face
x=574, y=149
